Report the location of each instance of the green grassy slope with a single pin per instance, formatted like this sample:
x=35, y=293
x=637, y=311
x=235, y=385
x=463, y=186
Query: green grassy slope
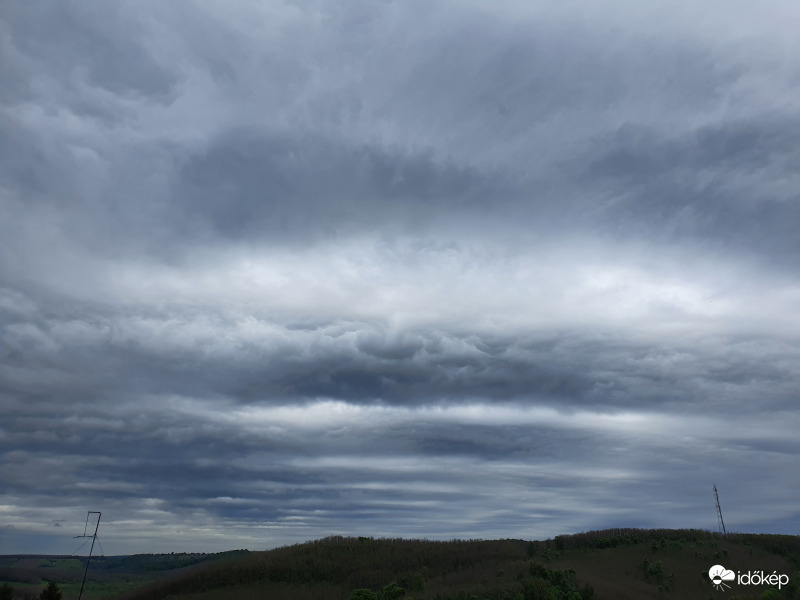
x=614, y=564
x=109, y=577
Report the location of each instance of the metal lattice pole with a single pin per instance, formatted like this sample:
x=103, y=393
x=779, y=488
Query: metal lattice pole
x=720, y=522
x=94, y=539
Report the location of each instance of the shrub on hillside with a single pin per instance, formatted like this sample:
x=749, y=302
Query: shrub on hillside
x=51, y=592
x=6, y=592
x=364, y=594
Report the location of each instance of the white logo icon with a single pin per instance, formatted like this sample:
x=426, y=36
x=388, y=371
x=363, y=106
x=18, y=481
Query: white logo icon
x=719, y=575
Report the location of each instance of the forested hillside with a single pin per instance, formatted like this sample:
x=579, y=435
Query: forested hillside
x=620, y=563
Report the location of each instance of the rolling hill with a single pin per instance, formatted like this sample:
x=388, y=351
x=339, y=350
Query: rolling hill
x=613, y=564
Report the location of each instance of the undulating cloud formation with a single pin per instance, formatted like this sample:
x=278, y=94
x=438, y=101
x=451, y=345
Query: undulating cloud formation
x=273, y=271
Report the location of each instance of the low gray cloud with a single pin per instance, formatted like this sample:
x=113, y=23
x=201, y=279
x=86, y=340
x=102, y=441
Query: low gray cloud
x=280, y=271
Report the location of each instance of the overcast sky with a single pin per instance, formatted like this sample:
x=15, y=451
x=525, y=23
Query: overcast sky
x=276, y=271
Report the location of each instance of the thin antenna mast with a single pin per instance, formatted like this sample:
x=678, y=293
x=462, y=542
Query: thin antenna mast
x=94, y=539
x=720, y=522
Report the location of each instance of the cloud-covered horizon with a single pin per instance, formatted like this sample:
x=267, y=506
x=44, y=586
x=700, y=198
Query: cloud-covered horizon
x=276, y=271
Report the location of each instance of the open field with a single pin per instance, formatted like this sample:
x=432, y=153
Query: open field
x=109, y=576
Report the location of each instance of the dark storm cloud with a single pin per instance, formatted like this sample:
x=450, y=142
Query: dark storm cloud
x=729, y=184
x=287, y=270
x=104, y=47
x=92, y=359
x=548, y=80
x=282, y=188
